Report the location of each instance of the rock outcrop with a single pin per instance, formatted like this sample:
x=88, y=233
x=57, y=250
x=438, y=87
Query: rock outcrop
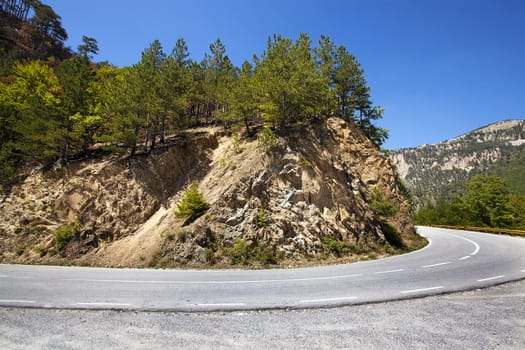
x=317, y=196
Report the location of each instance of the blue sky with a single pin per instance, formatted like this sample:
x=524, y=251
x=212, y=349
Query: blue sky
x=439, y=67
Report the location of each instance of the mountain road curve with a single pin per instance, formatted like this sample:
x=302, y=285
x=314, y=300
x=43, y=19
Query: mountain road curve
x=452, y=261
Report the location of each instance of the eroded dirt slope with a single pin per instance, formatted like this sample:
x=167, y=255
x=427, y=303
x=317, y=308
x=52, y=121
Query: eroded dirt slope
x=325, y=193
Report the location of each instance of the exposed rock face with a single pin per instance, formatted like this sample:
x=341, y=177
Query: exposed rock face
x=310, y=199
x=433, y=170
x=108, y=198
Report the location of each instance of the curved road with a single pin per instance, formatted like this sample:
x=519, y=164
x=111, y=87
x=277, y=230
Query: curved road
x=453, y=261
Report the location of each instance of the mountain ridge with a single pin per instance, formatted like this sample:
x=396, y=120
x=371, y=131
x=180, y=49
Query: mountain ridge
x=435, y=170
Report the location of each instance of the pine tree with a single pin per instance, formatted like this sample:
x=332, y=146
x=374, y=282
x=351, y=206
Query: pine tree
x=192, y=205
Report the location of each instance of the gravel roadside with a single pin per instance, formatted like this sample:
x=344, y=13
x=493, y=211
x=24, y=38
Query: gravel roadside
x=492, y=318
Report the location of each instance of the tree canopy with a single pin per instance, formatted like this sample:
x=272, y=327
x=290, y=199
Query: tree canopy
x=485, y=202
x=55, y=109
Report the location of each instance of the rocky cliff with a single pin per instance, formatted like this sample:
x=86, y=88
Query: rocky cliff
x=323, y=193
x=431, y=171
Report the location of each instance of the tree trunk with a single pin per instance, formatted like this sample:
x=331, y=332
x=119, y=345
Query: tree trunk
x=247, y=125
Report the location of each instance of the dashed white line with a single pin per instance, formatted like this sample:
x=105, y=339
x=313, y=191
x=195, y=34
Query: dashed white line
x=420, y=290
x=490, y=278
x=103, y=304
x=465, y=257
x=12, y=301
x=326, y=300
x=388, y=271
x=221, y=304
x=438, y=264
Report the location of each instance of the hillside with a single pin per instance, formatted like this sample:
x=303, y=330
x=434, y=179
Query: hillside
x=324, y=193
x=431, y=171
x=38, y=36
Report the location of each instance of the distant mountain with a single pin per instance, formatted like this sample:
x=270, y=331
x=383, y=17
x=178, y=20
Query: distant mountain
x=431, y=171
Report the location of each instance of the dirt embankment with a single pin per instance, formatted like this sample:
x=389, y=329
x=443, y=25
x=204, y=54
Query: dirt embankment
x=324, y=193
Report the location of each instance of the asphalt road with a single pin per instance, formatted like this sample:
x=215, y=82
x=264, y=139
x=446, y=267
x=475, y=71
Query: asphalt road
x=490, y=318
x=453, y=261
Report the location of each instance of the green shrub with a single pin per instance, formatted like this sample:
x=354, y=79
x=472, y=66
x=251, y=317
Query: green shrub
x=20, y=250
x=338, y=248
x=164, y=262
x=262, y=218
x=155, y=258
x=267, y=140
x=239, y=253
x=65, y=233
x=242, y=253
x=209, y=256
x=41, y=251
x=267, y=256
x=332, y=245
x=392, y=236
x=235, y=142
x=381, y=205
x=193, y=204
x=306, y=164
x=182, y=235
x=170, y=236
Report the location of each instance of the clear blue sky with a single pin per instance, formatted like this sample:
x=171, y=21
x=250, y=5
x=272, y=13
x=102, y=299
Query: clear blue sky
x=439, y=67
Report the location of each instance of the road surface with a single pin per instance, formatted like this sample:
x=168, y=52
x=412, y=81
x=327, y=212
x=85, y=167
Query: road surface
x=452, y=261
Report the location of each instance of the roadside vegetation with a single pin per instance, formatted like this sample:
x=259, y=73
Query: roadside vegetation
x=485, y=202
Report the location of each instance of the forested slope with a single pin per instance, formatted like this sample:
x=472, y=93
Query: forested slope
x=59, y=108
x=178, y=162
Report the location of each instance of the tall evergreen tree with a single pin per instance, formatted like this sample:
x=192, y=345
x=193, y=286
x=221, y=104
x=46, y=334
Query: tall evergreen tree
x=175, y=87
x=89, y=47
x=243, y=102
x=75, y=76
x=291, y=86
x=220, y=75
x=148, y=72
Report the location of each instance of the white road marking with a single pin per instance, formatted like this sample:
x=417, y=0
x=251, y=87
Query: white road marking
x=216, y=282
x=476, y=246
x=420, y=290
x=465, y=257
x=326, y=299
x=9, y=301
x=103, y=304
x=490, y=278
x=438, y=264
x=222, y=304
x=389, y=271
